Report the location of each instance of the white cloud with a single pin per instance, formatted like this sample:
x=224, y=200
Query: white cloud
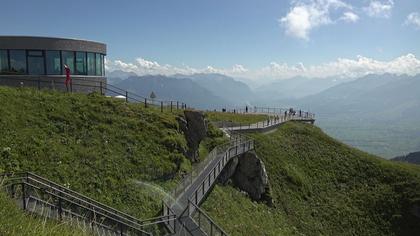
x=340, y=68
x=378, y=8
x=349, y=17
x=305, y=16
x=413, y=19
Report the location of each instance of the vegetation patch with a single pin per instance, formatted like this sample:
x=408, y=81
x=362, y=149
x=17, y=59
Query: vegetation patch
x=321, y=187
x=101, y=147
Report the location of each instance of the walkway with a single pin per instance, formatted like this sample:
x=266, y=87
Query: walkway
x=194, y=188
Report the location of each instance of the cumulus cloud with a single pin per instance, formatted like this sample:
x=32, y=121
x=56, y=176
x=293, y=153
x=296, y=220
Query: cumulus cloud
x=340, y=68
x=378, y=8
x=413, y=19
x=349, y=17
x=305, y=16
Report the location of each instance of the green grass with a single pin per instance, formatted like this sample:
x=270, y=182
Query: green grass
x=235, y=118
x=321, y=187
x=101, y=147
x=13, y=221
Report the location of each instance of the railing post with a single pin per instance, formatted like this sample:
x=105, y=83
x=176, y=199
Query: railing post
x=126, y=96
x=23, y=196
x=171, y=106
x=145, y=103
x=161, y=106
x=101, y=87
x=121, y=230
x=60, y=209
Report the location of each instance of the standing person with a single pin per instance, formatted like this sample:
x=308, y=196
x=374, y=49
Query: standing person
x=246, y=109
x=68, y=78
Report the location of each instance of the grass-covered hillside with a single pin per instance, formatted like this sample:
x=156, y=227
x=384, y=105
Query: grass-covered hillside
x=101, y=147
x=322, y=187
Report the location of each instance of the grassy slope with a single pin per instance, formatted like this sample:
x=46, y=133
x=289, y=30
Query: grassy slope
x=321, y=187
x=15, y=222
x=96, y=145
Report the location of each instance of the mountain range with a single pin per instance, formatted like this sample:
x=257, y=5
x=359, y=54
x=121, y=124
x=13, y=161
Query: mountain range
x=376, y=113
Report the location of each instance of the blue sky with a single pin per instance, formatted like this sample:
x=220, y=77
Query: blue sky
x=226, y=34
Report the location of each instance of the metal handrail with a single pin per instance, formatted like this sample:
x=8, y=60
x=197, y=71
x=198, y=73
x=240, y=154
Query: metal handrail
x=85, y=202
x=76, y=195
x=208, y=218
x=103, y=88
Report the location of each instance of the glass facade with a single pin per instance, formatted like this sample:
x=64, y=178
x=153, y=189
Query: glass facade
x=51, y=62
x=68, y=59
x=4, y=61
x=91, y=63
x=36, y=62
x=98, y=64
x=17, y=61
x=81, y=63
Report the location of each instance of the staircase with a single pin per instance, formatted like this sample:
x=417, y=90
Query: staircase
x=45, y=198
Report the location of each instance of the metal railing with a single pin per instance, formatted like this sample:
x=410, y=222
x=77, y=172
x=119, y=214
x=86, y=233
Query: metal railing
x=46, y=198
x=266, y=111
x=86, y=85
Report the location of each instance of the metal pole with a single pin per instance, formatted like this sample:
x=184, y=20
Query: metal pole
x=23, y=196
x=126, y=96
x=171, y=106
x=145, y=102
x=102, y=93
x=161, y=106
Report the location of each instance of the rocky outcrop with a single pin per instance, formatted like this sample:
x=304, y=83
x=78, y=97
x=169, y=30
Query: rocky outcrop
x=194, y=127
x=248, y=173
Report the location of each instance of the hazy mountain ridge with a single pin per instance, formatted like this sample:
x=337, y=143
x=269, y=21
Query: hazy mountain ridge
x=413, y=158
x=376, y=113
x=169, y=88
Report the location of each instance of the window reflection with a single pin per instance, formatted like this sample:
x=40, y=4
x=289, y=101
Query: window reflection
x=91, y=63
x=68, y=59
x=53, y=60
x=4, y=62
x=17, y=61
x=81, y=63
x=36, y=63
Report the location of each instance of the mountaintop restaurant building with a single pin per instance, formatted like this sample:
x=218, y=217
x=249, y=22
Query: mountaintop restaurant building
x=39, y=61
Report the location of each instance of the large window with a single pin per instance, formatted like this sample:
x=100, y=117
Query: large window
x=36, y=62
x=4, y=61
x=53, y=59
x=17, y=61
x=98, y=64
x=68, y=59
x=81, y=63
x=103, y=64
x=91, y=63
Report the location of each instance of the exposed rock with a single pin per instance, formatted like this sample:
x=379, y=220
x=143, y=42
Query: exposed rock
x=248, y=174
x=194, y=127
x=416, y=210
x=228, y=171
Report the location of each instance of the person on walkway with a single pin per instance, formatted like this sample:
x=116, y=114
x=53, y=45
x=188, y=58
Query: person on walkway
x=246, y=109
x=68, y=78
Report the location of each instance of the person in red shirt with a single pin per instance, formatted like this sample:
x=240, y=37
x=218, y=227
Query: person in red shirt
x=68, y=78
